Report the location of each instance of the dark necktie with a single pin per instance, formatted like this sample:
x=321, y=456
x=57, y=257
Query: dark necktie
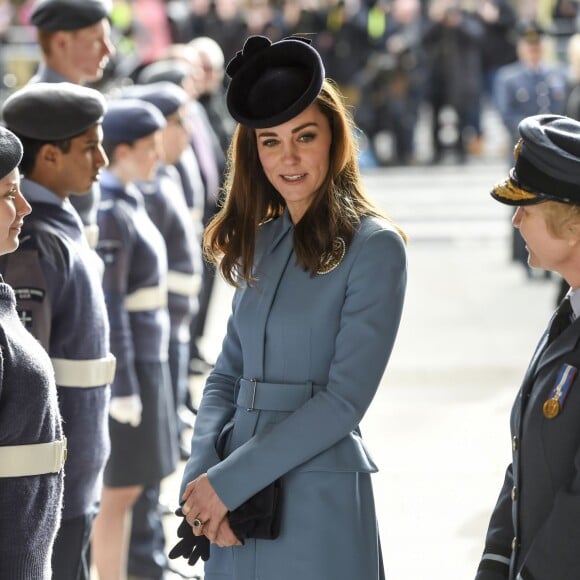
x=561, y=321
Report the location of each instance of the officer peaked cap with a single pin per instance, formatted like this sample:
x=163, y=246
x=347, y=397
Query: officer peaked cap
x=10, y=151
x=53, y=111
x=547, y=163
x=271, y=83
x=52, y=15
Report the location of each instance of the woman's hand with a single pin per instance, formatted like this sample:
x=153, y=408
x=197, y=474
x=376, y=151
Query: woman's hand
x=225, y=537
x=205, y=511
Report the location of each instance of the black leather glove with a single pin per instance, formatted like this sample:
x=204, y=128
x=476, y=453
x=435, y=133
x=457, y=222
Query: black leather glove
x=258, y=517
x=190, y=546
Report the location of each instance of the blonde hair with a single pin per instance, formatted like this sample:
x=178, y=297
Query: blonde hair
x=562, y=219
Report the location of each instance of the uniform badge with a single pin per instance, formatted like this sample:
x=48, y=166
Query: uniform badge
x=28, y=293
x=26, y=318
x=553, y=405
x=332, y=259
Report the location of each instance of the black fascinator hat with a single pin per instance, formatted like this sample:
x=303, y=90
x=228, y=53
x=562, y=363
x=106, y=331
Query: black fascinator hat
x=273, y=82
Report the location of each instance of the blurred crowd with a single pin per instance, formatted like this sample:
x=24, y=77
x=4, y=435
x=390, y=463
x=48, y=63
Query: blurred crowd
x=392, y=58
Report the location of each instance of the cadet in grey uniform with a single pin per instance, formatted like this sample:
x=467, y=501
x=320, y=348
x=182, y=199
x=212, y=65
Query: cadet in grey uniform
x=533, y=532
x=75, y=41
x=143, y=437
x=165, y=204
x=56, y=278
x=32, y=444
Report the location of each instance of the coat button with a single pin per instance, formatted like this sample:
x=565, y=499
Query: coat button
x=514, y=493
x=515, y=443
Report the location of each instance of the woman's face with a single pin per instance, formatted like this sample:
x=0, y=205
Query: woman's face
x=295, y=157
x=13, y=208
x=545, y=251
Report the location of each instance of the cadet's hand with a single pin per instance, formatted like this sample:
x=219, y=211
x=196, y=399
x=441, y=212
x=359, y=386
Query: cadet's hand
x=126, y=409
x=203, y=508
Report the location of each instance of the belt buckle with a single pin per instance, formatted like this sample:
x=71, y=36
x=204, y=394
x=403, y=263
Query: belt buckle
x=63, y=453
x=254, y=383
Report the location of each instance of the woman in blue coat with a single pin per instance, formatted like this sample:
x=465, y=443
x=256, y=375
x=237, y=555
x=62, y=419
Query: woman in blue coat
x=320, y=276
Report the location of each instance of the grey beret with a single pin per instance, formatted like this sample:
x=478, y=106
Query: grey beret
x=53, y=111
x=171, y=70
x=165, y=95
x=10, y=152
x=547, y=163
x=68, y=14
x=128, y=120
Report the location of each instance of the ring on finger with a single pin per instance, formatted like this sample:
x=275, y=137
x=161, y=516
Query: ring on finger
x=198, y=524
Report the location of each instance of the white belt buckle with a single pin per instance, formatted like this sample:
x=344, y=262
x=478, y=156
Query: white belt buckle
x=60, y=453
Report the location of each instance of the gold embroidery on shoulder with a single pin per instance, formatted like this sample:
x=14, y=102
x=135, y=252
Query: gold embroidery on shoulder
x=332, y=259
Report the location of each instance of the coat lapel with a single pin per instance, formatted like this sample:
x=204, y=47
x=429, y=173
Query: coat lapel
x=566, y=342
x=272, y=260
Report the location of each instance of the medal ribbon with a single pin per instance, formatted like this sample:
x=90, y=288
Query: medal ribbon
x=564, y=381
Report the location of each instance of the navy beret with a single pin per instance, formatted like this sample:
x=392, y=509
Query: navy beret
x=68, y=14
x=171, y=70
x=10, y=151
x=547, y=163
x=128, y=120
x=273, y=82
x=53, y=111
x=166, y=96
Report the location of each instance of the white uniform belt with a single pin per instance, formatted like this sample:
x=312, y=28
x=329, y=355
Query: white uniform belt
x=94, y=372
x=150, y=298
x=92, y=235
x=35, y=459
x=196, y=214
x=183, y=284
x=274, y=396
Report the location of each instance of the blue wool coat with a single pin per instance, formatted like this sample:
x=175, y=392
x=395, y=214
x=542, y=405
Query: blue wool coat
x=326, y=339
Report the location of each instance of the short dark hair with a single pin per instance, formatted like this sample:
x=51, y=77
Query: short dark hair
x=33, y=146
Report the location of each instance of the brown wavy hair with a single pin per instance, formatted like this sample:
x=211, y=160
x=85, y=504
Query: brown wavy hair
x=251, y=200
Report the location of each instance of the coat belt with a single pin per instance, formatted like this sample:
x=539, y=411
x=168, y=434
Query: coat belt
x=254, y=394
x=34, y=459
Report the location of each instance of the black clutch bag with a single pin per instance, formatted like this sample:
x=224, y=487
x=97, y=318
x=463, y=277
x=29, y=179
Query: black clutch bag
x=258, y=518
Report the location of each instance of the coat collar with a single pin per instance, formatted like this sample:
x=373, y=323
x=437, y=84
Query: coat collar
x=566, y=342
x=280, y=228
